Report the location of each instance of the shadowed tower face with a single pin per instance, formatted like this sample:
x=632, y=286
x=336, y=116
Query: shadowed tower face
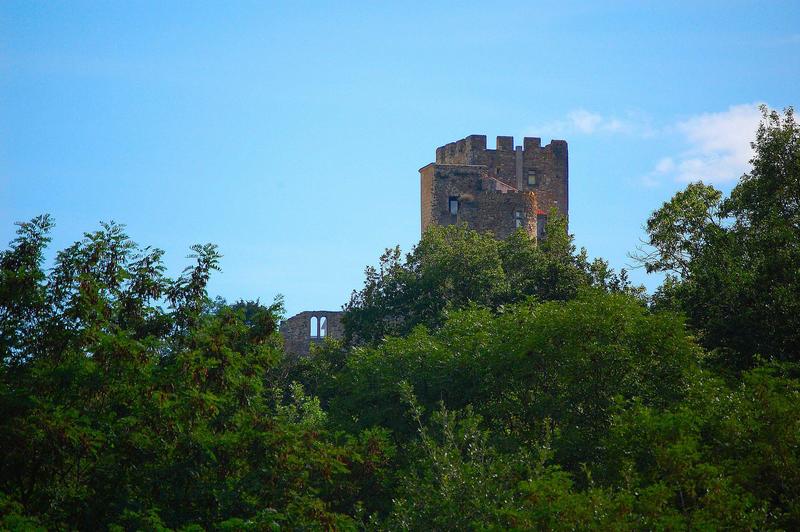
x=497, y=190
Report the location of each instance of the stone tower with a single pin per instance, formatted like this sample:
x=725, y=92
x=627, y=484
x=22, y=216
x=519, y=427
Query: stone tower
x=496, y=190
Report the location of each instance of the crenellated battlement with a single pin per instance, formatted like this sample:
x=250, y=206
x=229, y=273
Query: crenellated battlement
x=472, y=149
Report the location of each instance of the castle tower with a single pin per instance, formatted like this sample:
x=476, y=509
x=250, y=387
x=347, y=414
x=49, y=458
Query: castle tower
x=497, y=190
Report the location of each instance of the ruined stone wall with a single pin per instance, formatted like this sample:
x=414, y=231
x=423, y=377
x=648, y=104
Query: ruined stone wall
x=447, y=181
x=484, y=205
x=512, y=165
x=495, y=212
x=551, y=166
x=296, y=331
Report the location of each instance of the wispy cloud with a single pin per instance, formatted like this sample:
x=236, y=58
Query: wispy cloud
x=584, y=122
x=717, y=147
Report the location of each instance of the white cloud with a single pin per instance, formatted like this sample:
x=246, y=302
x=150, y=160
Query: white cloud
x=718, y=147
x=665, y=165
x=584, y=121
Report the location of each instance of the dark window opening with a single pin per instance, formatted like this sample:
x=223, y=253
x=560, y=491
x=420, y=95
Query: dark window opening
x=518, y=219
x=541, y=224
x=452, y=205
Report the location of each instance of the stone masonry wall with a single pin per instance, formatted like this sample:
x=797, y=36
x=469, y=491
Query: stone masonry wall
x=483, y=204
x=296, y=331
x=494, y=212
x=426, y=194
x=550, y=165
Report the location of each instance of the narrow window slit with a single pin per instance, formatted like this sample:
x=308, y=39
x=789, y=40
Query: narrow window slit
x=452, y=205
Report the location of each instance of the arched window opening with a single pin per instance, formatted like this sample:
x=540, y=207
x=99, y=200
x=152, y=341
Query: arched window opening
x=323, y=327
x=314, y=331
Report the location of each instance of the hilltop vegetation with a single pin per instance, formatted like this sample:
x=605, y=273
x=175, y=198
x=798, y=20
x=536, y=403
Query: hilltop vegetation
x=482, y=384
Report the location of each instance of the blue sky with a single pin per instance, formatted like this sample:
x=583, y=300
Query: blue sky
x=290, y=134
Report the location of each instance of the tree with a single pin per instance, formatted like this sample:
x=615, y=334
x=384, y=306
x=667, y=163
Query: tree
x=565, y=361
x=454, y=267
x=724, y=455
x=127, y=398
x=450, y=267
x=682, y=228
x=735, y=262
x=22, y=293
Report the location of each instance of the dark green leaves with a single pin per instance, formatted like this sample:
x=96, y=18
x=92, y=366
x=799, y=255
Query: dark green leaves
x=454, y=267
x=737, y=260
x=128, y=397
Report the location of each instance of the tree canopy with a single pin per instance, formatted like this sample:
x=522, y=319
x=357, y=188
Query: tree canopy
x=129, y=399
x=454, y=267
x=735, y=261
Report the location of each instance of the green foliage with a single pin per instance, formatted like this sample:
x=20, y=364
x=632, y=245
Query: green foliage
x=680, y=229
x=459, y=480
x=450, y=267
x=22, y=295
x=12, y=516
x=724, y=456
x=565, y=361
x=115, y=409
x=454, y=267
